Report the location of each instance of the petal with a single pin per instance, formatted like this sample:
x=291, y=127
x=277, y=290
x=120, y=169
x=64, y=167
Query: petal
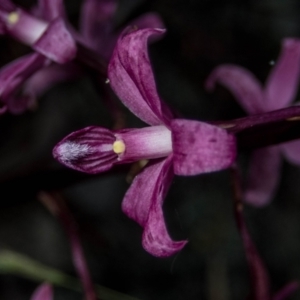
x=200, y=147
x=56, y=43
x=242, y=84
x=88, y=150
x=22, y=67
x=96, y=21
x=50, y=9
x=47, y=77
x=282, y=84
x=43, y=292
x=24, y=26
x=131, y=77
x=17, y=104
x=263, y=176
x=143, y=203
x=145, y=143
x=13, y=76
x=292, y=151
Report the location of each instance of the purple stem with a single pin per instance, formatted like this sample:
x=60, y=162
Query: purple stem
x=259, y=277
x=58, y=208
x=265, y=129
x=92, y=60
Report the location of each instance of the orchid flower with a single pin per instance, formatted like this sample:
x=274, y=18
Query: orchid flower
x=49, y=38
x=47, y=31
x=174, y=146
x=279, y=91
x=47, y=35
x=43, y=292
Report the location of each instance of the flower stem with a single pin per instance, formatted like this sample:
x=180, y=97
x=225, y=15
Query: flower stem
x=58, y=208
x=259, y=277
x=265, y=129
x=92, y=60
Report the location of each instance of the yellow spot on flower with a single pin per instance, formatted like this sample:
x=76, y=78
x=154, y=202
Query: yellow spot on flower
x=13, y=18
x=118, y=147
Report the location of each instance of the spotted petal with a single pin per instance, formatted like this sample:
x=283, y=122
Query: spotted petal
x=56, y=42
x=283, y=81
x=242, y=84
x=143, y=203
x=43, y=292
x=200, y=147
x=263, y=177
x=132, y=79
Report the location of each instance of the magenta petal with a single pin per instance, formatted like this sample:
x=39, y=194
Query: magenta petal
x=200, y=147
x=292, y=151
x=282, y=83
x=39, y=83
x=56, y=43
x=131, y=77
x=50, y=9
x=47, y=77
x=43, y=292
x=263, y=176
x=243, y=85
x=143, y=203
x=88, y=150
x=13, y=76
x=20, y=68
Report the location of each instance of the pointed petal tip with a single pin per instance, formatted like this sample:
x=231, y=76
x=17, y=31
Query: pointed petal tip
x=241, y=83
x=161, y=248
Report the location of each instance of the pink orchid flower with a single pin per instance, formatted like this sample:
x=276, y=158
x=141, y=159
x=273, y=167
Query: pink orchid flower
x=174, y=146
x=279, y=91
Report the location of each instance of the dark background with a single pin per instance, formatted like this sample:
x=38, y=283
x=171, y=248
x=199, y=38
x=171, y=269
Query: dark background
x=200, y=35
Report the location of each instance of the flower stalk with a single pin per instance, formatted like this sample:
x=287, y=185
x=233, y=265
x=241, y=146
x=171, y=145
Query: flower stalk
x=59, y=209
